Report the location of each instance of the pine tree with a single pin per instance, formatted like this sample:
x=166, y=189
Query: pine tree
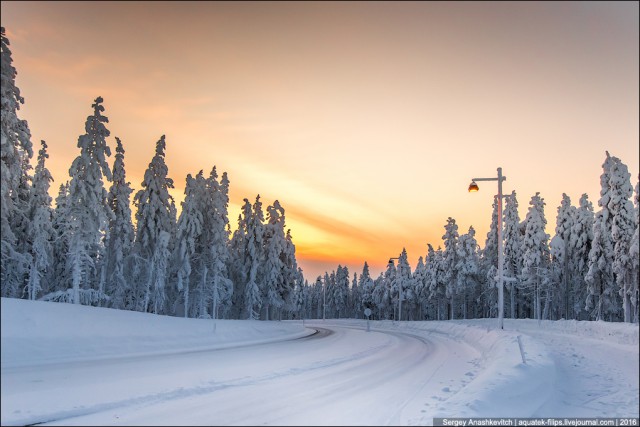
x=341, y=291
x=217, y=222
x=59, y=279
x=120, y=235
x=355, y=298
x=41, y=231
x=189, y=228
x=276, y=289
x=600, y=277
x=239, y=260
x=420, y=288
x=290, y=271
x=436, y=281
x=467, y=267
x=255, y=260
x=563, y=256
x=15, y=152
x=318, y=297
x=366, y=287
x=88, y=211
x=404, y=285
x=450, y=239
x=489, y=265
x=154, y=219
x=581, y=242
x=623, y=224
x=512, y=248
x=634, y=250
x=535, y=266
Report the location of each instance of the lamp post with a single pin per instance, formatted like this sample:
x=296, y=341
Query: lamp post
x=473, y=187
x=399, y=291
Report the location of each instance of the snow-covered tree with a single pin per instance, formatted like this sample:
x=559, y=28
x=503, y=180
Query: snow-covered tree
x=536, y=254
x=450, y=260
x=634, y=250
x=89, y=213
x=290, y=269
x=600, y=277
x=366, y=287
x=189, y=229
x=489, y=265
x=623, y=225
x=59, y=279
x=340, y=291
x=274, y=245
x=355, y=298
x=563, y=256
x=318, y=297
x=420, y=288
x=120, y=235
x=41, y=231
x=15, y=152
x=154, y=229
x=403, y=284
x=467, y=267
x=512, y=248
x=238, y=260
x=580, y=242
x=216, y=222
x=255, y=260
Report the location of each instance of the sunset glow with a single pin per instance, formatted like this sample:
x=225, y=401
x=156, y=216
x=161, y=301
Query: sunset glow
x=366, y=120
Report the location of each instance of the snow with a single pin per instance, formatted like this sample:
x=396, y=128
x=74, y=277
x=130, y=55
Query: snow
x=65, y=364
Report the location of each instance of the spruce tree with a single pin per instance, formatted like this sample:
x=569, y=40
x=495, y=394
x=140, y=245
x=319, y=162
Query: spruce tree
x=276, y=289
x=600, y=277
x=15, y=152
x=563, y=256
x=536, y=256
x=623, y=224
x=512, y=248
x=255, y=261
x=450, y=239
x=154, y=219
x=467, y=267
x=216, y=221
x=581, y=242
x=59, y=279
x=120, y=236
x=189, y=228
x=88, y=210
x=634, y=251
x=41, y=233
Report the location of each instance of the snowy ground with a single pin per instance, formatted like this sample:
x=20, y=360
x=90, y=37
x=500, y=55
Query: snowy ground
x=74, y=365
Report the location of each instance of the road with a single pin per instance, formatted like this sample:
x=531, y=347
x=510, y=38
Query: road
x=341, y=375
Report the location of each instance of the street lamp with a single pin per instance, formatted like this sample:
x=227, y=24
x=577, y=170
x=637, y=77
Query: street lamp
x=473, y=187
x=399, y=291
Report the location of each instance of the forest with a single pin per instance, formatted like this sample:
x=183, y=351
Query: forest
x=99, y=244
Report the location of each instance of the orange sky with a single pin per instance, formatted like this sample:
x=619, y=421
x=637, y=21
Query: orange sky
x=367, y=120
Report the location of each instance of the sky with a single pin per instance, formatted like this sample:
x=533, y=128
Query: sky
x=366, y=120
x=66, y=364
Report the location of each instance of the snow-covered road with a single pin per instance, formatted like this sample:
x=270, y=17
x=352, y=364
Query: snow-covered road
x=76, y=365
x=339, y=376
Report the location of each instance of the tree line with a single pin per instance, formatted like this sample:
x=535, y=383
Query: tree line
x=87, y=249
x=587, y=271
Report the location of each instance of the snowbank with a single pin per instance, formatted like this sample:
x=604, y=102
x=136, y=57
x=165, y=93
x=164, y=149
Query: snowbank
x=506, y=387
x=38, y=332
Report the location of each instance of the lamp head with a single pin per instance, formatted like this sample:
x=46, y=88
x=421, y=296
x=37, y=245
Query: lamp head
x=473, y=187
